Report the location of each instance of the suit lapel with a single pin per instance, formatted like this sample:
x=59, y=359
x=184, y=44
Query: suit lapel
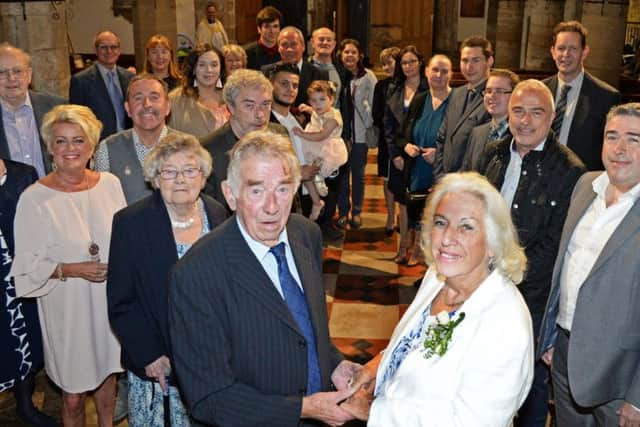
x=471, y=108
x=249, y=274
x=39, y=110
x=4, y=145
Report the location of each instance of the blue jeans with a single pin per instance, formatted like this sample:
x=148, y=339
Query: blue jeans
x=354, y=168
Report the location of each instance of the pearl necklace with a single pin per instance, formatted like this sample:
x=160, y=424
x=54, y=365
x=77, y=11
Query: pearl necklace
x=183, y=225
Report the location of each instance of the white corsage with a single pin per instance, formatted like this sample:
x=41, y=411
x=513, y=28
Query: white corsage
x=438, y=335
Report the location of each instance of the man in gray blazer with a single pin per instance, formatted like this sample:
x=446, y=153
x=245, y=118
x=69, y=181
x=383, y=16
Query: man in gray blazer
x=103, y=86
x=123, y=153
x=248, y=95
x=21, y=111
x=589, y=333
x=582, y=109
x=247, y=310
x=466, y=109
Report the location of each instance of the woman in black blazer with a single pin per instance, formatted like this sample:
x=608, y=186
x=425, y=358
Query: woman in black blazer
x=147, y=239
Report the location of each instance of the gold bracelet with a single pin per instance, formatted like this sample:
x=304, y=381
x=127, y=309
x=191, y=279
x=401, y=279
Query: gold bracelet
x=60, y=275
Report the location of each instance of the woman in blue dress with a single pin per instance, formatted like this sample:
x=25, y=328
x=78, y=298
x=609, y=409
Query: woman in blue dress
x=417, y=140
x=20, y=338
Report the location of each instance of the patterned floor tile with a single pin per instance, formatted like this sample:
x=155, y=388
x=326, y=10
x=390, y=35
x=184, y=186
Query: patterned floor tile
x=362, y=320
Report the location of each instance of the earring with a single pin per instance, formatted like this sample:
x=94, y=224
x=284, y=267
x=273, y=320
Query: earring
x=54, y=166
x=491, y=265
x=92, y=163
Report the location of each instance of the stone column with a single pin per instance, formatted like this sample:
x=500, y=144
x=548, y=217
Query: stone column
x=446, y=14
x=606, y=25
x=540, y=16
x=40, y=30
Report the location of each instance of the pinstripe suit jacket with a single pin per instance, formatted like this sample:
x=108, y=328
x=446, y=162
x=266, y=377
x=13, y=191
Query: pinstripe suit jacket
x=239, y=357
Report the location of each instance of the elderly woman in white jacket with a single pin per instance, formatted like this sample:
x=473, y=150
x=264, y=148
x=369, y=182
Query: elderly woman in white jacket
x=462, y=355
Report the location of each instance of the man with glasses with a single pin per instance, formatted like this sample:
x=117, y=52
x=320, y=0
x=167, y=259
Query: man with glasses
x=536, y=175
x=582, y=100
x=496, y=97
x=248, y=94
x=466, y=109
x=21, y=111
x=102, y=86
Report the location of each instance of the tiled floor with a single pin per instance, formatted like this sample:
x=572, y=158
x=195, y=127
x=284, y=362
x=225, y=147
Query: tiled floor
x=366, y=295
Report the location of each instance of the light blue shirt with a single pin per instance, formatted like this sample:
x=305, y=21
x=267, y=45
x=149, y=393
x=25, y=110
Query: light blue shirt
x=268, y=260
x=23, y=138
x=103, y=72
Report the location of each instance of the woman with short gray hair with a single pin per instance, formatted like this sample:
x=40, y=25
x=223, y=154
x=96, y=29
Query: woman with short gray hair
x=148, y=239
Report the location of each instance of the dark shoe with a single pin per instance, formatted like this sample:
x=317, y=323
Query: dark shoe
x=402, y=256
x=25, y=410
x=389, y=231
x=342, y=222
x=121, y=409
x=356, y=222
x=330, y=234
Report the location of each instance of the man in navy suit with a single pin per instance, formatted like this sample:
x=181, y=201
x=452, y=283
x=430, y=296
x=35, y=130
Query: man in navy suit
x=254, y=287
x=103, y=86
x=581, y=112
x=21, y=111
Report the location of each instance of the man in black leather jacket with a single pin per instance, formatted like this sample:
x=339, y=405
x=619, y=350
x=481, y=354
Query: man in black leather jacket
x=536, y=175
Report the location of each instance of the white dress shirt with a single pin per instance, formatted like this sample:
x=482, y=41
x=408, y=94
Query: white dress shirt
x=587, y=241
x=572, y=102
x=268, y=260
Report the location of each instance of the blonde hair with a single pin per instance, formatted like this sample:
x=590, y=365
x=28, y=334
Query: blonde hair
x=74, y=114
x=501, y=237
x=263, y=144
x=235, y=50
x=176, y=142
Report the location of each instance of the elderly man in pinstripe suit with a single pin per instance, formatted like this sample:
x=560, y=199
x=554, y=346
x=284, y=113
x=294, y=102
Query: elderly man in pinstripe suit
x=247, y=312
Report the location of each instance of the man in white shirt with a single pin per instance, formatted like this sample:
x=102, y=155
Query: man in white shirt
x=582, y=100
x=536, y=176
x=589, y=333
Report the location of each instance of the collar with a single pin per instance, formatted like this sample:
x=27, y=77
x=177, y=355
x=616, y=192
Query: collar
x=601, y=183
x=478, y=87
x=575, y=83
x=539, y=147
x=260, y=250
x=269, y=50
x=299, y=64
x=137, y=141
x=9, y=109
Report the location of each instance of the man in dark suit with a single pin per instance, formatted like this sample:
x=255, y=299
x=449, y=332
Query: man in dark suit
x=291, y=48
x=265, y=50
x=103, y=86
x=582, y=100
x=590, y=329
x=466, y=109
x=254, y=285
x=536, y=175
x=248, y=95
x=496, y=95
x=21, y=111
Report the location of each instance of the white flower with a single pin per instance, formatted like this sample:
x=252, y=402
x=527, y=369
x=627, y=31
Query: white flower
x=442, y=317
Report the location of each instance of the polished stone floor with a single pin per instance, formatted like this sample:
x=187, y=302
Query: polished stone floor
x=366, y=295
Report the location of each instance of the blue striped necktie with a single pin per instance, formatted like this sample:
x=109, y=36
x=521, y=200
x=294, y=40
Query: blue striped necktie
x=294, y=297
x=116, y=98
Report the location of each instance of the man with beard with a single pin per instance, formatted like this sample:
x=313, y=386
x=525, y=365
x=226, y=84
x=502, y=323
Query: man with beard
x=248, y=95
x=123, y=153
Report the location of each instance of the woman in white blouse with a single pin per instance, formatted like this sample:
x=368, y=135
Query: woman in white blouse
x=481, y=373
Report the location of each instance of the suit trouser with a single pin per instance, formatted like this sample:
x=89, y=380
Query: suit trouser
x=568, y=412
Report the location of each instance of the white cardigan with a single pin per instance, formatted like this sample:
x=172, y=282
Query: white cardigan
x=482, y=379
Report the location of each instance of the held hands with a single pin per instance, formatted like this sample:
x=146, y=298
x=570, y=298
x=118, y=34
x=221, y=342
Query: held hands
x=324, y=406
x=159, y=369
x=412, y=150
x=547, y=356
x=629, y=416
x=429, y=155
x=93, y=271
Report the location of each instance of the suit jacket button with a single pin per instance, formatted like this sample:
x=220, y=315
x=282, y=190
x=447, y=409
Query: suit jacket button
x=302, y=391
x=302, y=343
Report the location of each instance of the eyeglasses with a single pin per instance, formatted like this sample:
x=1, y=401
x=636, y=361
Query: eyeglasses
x=409, y=62
x=108, y=47
x=16, y=72
x=490, y=92
x=169, y=174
